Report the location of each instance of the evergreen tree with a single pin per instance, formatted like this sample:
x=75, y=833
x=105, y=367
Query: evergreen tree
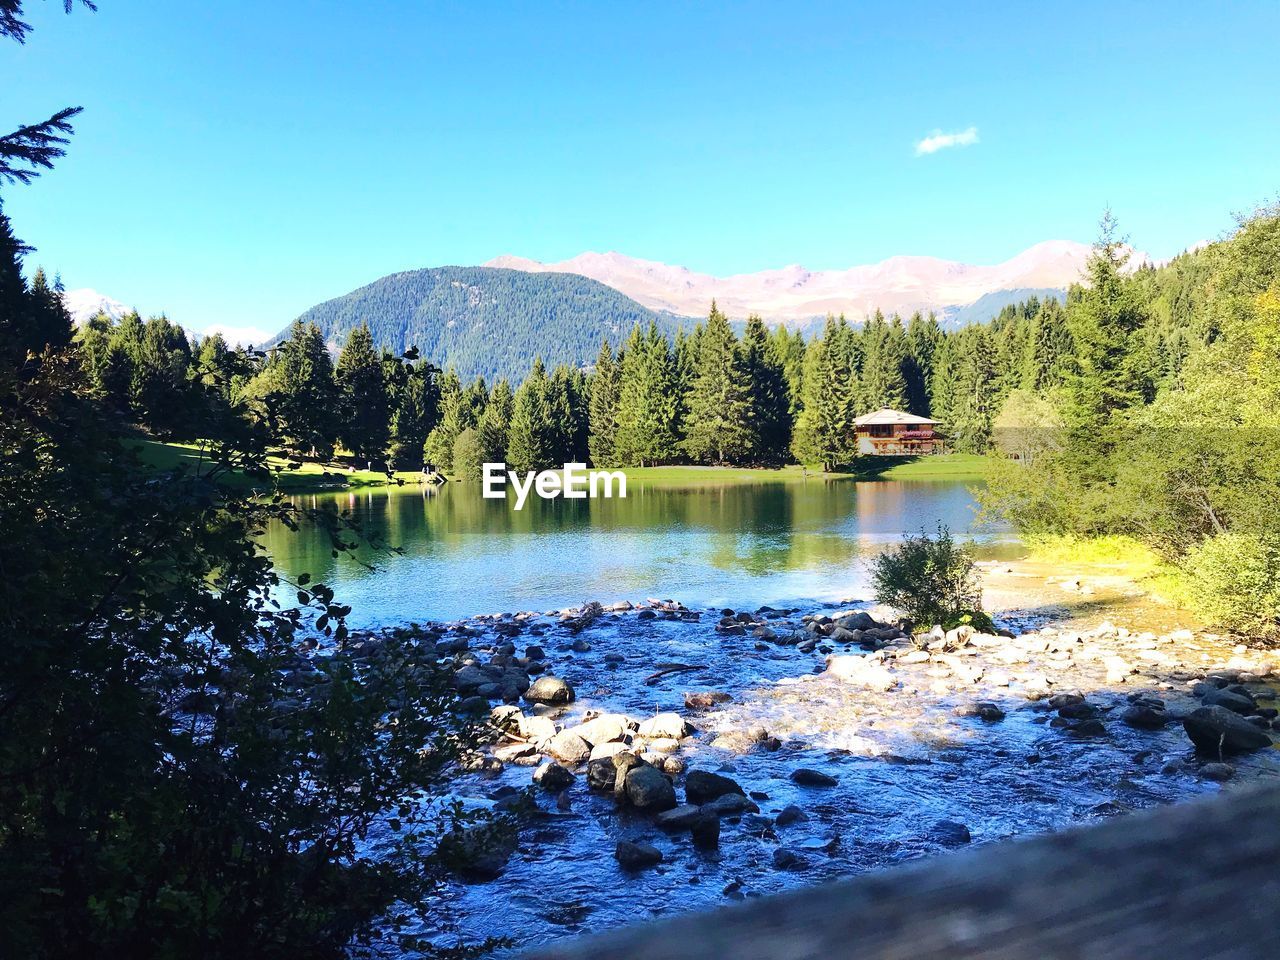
x=364, y=421
x=603, y=412
x=825, y=431
x=1046, y=349
x=493, y=431
x=767, y=387
x=922, y=343
x=647, y=403
x=974, y=390
x=718, y=424
x=884, y=349
x=454, y=416
x=158, y=389
x=296, y=389
x=416, y=413
x=532, y=438
x=1106, y=376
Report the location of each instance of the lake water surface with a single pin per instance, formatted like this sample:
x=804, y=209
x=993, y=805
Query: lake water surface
x=729, y=545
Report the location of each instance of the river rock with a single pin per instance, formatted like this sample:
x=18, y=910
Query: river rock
x=730, y=805
x=665, y=726
x=1145, y=717
x=741, y=741
x=702, y=786
x=549, y=689
x=515, y=752
x=705, y=830
x=648, y=789
x=859, y=620
x=784, y=859
x=949, y=833
x=790, y=814
x=605, y=728
x=479, y=851
x=506, y=717
x=602, y=774
x=812, y=778
x=705, y=700
x=1215, y=729
x=1218, y=771
x=551, y=776
x=623, y=761
x=678, y=818
x=569, y=747
x=861, y=671
x=613, y=748
x=537, y=729
x=1235, y=702
x=637, y=856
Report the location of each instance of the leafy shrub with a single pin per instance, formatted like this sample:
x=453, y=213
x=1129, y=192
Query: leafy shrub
x=1234, y=580
x=932, y=580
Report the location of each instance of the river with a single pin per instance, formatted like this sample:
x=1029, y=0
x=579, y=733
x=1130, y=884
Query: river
x=903, y=760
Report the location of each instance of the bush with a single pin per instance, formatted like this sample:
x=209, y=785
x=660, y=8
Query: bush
x=932, y=580
x=1234, y=581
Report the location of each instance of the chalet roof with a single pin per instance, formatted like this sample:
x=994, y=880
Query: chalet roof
x=892, y=416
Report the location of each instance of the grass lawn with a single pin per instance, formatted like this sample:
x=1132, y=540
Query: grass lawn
x=308, y=477
x=952, y=466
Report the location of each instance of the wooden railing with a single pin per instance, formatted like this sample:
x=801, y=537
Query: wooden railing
x=1194, y=881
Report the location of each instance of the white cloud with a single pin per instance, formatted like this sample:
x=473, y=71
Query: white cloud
x=243, y=336
x=941, y=141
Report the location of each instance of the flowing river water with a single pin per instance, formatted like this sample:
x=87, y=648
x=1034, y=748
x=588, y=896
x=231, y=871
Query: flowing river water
x=904, y=763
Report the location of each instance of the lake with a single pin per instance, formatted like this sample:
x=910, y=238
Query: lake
x=731, y=545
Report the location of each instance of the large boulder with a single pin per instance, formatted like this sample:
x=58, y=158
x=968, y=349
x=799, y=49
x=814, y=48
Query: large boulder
x=568, y=747
x=603, y=729
x=551, y=776
x=665, y=726
x=602, y=774
x=703, y=786
x=1216, y=730
x=648, y=789
x=549, y=689
x=537, y=729
x=678, y=818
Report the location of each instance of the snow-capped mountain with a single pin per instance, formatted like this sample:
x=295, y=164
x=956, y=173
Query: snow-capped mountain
x=900, y=284
x=85, y=304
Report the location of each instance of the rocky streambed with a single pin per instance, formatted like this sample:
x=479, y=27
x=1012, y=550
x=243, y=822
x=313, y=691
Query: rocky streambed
x=679, y=759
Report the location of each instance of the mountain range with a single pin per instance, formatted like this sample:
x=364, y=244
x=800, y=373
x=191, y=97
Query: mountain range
x=492, y=320
x=798, y=295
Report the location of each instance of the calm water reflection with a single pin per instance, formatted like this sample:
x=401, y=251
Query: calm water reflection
x=735, y=545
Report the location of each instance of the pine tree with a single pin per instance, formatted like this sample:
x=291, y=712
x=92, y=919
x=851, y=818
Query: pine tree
x=922, y=343
x=493, y=431
x=767, y=386
x=296, y=390
x=825, y=431
x=416, y=413
x=531, y=438
x=647, y=404
x=603, y=412
x=1047, y=348
x=883, y=383
x=454, y=412
x=1106, y=375
x=364, y=419
x=718, y=425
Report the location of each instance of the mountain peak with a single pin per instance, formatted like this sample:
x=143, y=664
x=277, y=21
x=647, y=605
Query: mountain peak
x=899, y=284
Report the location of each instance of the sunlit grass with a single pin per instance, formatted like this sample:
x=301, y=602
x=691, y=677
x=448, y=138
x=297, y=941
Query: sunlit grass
x=166, y=457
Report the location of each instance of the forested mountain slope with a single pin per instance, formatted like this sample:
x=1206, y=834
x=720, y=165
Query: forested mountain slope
x=487, y=321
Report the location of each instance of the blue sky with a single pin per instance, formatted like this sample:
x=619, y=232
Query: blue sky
x=238, y=162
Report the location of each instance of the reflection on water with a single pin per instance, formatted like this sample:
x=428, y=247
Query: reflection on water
x=732, y=545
